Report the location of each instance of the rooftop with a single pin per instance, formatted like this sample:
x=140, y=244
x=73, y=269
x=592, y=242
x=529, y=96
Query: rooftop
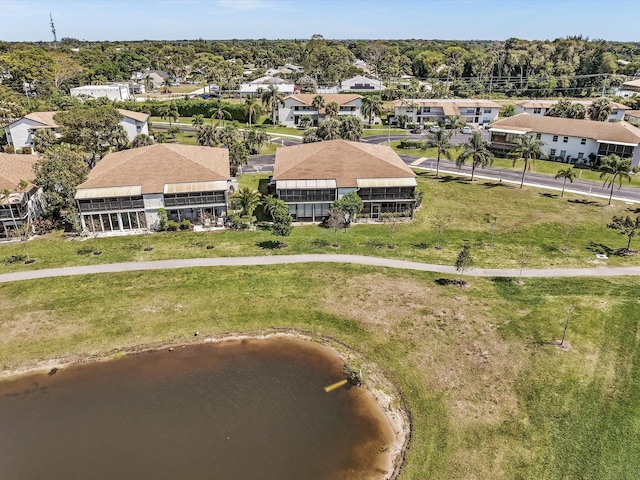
x=339, y=160
x=14, y=168
x=46, y=118
x=551, y=103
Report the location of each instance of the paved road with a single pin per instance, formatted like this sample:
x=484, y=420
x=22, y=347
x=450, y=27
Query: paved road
x=329, y=258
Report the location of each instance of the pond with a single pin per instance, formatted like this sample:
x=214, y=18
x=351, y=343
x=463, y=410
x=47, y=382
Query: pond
x=240, y=409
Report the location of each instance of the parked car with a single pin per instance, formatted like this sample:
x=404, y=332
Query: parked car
x=416, y=129
x=466, y=130
x=434, y=128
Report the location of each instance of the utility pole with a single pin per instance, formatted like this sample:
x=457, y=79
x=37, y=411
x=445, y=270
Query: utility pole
x=53, y=30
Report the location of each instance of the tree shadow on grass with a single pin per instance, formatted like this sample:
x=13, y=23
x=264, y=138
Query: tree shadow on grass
x=548, y=195
x=633, y=210
x=497, y=184
x=599, y=248
x=582, y=201
x=269, y=245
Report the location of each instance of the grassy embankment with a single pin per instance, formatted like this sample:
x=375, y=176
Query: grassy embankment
x=528, y=219
x=490, y=397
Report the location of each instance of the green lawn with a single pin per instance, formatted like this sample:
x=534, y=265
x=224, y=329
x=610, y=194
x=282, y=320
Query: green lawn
x=528, y=219
x=490, y=397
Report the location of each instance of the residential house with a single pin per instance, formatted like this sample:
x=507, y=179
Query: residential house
x=628, y=89
x=473, y=112
x=361, y=84
x=542, y=107
x=632, y=116
x=294, y=107
x=113, y=91
x=124, y=190
x=286, y=69
x=310, y=177
x=20, y=133
x=156, y=78
x=20, y=205
x=255, y=87
x=569, y=140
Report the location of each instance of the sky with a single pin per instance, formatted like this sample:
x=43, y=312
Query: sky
x=28, y=20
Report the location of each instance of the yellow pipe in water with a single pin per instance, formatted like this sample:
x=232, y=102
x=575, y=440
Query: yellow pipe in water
x=331, y=388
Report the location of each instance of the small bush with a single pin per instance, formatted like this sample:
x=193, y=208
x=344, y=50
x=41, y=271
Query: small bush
x=373, y=243
x=42, y=226
x=86, y=250
x=320, y=243
x=172, y=226
x=26, y=150
x=14, y=259
x=9, y=149
x=185, y=225
x=410, y=144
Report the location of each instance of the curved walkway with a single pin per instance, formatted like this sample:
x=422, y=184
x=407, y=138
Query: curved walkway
x=330, y=258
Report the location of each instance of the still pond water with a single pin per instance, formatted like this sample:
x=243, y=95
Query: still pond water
x=249, y=409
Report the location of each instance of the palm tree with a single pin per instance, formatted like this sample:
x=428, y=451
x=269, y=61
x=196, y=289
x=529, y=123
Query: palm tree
x=247, y=199
x=238, y=155
x=600, y=109
x=332, y=109
x=350, y=128
x=119, y=139
x=274, y=204
x=43, y=139
x=567, y=174
x=527, y=148
x=169, y=111
x=166, y=85
x=251, y=108
x=477, y=150
x=197, y=121
x=220, y=111
x=148, y=83
x=141, y=140
x=329, y=130
x=371, y=106
x=441, y=141
x=614, y=168
x=271, y=98
x=317, y=103
x=207, y=136
x=455, y=122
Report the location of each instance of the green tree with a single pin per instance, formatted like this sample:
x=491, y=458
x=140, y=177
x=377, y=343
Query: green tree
x=464, y=261
x=238, y=156
x=44, y=139
x=626, y=226
x=271, y=98
x=567, y=109
x=246, y=200
x=119, y=138
x=600, y=110
x=141, y=140
x=58, y=173
x=527, y=148
x=332, y=109
x=255, y=138
x=455, y=122
x=566, y=174
x=273, y=204
x=329, y=129
x=90, y=125
x=613, y=168
x=207, y=136
x=318, y=103
x=220, y=111
x=508, y=110
x=282, y=225
x=350, y=128
x=252, y=108
x=169, y=111
x=477, y=150
x=371, y=106
x=351, y=205
x=197, y=121
x=441, y=141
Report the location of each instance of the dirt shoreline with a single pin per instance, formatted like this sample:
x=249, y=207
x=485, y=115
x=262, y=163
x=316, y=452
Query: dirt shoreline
x=385, y=393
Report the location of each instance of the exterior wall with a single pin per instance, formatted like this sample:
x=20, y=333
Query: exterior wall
x=19, y=133
x=30, y=207
x=472, y=115
x=361, y=84
x=134, y=127
x=112, y=92
x=615, y=114
x=287, y=115
x=152, y=203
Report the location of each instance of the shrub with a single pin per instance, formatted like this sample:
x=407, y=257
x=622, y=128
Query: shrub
x=320, y=243
x=238, y=222
x=15, y=259
x=419, y=197
x=172, y=226
x=42, y=226
x=410, y=144
x=185, y=225
x=162, y=219
x=9, y=149
x=26, y=150
x=373, y=243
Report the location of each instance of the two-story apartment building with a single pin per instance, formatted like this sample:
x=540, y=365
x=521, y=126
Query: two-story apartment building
x=258, y=85
x=113, y=91
x=361, y=83
x=20, y=133
x=20, y=205
x=569, y=140
x=472, y=111
x=125, y=189
x=294, y=107
x=542, y=107
x=310, y=177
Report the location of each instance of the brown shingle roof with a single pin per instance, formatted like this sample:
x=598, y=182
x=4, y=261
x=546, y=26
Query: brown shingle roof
x=155, y=165
x=46, y=118
x=340, y=160
x=606, y=131
x=339, y=98
x=14, y=168
x=139, y=116
x=446, y=102
x=551, y=103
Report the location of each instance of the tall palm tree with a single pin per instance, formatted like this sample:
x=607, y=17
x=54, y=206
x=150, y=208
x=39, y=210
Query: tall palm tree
x=119, y=139
x=527, y=148
x=169, y=111
x=455, y=122
x=166, y=85
x=350, y=128
x=141, y=140
x=614, y=168
x=600, y=109
x=271, y=98
x=567, y=174
x=371, y=106
x=477, y=150
x=247, y=199
x=197, y=121
x=220, y=111
x=273, y=204
x=251, y=108
x=207, y=136
x=148, y=83
x=441, y=141
x=318, y=103
x=332, y=109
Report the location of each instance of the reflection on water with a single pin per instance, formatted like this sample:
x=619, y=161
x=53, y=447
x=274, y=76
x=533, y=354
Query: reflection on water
x=251, y=409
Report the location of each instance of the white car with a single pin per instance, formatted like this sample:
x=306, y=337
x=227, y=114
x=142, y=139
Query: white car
x=466, y=130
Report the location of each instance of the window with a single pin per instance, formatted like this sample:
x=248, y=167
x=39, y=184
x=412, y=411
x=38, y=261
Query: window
x=614, y=112
x=538, y=136
x=552, y=152
x=580, y=155
x=537, y=111
x=565, y=139
x=487, y=110
x=583, y=141
x=555, y=138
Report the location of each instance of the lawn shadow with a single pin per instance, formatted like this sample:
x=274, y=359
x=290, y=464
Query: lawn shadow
x=549, y=195
x=599, y=248
x=262, y=186
x=497, y=184
x=269, y=245
x=633, y=210
x=585, y=202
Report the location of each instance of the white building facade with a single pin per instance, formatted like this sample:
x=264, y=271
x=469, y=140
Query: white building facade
x=542, y=107
x=114, y=91
x=473, y=112
x=294, y=107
